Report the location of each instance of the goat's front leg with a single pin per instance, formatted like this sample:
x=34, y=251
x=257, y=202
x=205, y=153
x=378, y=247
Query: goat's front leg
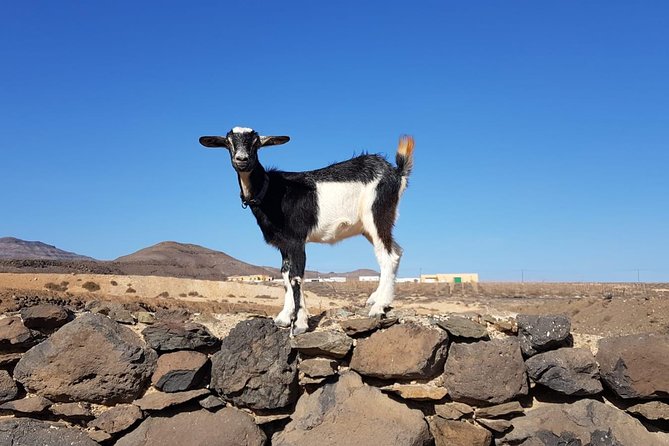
x=294, y=313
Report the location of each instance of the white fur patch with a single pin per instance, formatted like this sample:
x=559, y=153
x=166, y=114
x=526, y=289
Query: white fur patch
x=245, y=183
x=241, y=130
x=341, y=210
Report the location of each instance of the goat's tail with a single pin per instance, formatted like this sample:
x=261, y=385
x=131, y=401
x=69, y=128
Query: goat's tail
x=404, y=157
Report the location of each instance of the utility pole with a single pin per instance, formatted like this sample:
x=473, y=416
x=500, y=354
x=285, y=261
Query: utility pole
x=522, y=276
x=638, y=275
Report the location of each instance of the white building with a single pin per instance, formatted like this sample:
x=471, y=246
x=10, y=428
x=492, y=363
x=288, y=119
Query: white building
x=369, y=278
x=407, y=280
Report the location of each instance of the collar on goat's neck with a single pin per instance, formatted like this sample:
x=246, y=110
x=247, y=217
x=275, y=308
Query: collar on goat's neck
x=253, y=187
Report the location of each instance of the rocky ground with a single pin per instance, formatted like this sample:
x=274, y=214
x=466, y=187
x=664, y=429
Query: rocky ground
x=81, y=371
x=83, y=360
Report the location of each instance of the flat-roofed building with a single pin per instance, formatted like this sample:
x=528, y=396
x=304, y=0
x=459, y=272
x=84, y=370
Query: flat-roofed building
x=369, y=278
x=450, y=278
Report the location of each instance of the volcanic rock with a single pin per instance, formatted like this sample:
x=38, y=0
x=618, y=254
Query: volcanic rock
x=652, y=410
x=364, y=325
x=78, y=411
x=170, y=336
x=8, y=389
x=350, y=412
x=44, y=316
x=453, y=410
x=635, y=366
x=500, y=410
x=318, y=367
x=461, y=327
x=15, y=336
x=404, y=351
x=31, y=405
x=227, y=427
x=28, y=432
x=486, y=372
x=586, y=422
x=334, y=344
x=420, y=392
x=91, y=359
x=541, y=333
x=117, y=419
x=178, y=371
x=458, y=433
x=256, y=367
x=162, y=400
x=571, y=371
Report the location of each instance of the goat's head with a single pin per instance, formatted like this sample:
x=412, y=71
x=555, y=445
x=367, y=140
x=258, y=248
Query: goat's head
x=243, y=144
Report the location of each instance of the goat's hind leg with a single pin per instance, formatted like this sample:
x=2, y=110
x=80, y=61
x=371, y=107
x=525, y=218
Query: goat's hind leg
x=389, y=261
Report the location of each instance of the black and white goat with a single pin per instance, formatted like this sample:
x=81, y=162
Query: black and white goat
x=358, y=196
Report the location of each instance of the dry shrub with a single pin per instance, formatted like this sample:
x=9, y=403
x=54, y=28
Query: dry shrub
x=114, y=283
x=131, y=290
x=193, y=293
x=56, y=287
x=90, y=286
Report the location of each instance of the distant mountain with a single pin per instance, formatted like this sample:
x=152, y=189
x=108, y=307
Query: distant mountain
x=16, y=249
x=166, y=259
x=185, y=260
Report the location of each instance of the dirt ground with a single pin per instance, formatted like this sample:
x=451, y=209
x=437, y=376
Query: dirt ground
x=596, y=309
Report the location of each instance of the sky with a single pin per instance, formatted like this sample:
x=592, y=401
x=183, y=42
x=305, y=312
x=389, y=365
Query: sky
x=541, y=128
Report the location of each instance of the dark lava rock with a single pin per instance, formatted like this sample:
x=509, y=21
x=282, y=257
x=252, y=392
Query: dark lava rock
x=350, y=412
x=91, y=359
x=8, y=389
x=211, y=402
x=461, y=327
x=227, y=427
x=28, y=432
x=256, y=367
x=117, y=419
x=635, y=366
x=15, y=336
x=45, y=316
x=170, y=336
x=571, y=371
x=541, y=333
x=323, y=343
x=486, y=372
x=404, y=351
x=361, y=326
x=178, y=371
x=585, y=422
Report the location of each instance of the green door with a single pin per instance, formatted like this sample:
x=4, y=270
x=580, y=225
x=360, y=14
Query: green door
x=457, y=279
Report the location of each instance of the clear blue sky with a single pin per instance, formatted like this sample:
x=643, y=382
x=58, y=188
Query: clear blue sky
x=542, y=128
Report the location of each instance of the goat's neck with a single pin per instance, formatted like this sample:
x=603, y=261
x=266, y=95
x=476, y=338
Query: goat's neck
x=251, y=183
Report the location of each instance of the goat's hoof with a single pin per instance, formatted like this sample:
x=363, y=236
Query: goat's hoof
x=371, y=300
x=377, y=311
x=299, y=329
x=282, y=320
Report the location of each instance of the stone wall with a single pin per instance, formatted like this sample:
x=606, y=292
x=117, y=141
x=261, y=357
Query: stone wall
x=108, y=376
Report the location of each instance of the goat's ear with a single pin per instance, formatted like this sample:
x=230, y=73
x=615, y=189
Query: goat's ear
x=215, y=141
x=273, y=140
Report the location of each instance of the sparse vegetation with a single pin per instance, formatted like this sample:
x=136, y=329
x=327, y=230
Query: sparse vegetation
x=56, y=287
x=193, y=293
x=114, y=283
x=231, y=295
x=164, y=294
x=182, y=294
x=90, y=286
x=130, y=290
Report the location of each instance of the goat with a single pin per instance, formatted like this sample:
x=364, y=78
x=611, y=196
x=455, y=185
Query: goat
x=354, y=197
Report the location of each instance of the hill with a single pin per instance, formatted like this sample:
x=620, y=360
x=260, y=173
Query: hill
x=185, y=260
x=17, y=249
